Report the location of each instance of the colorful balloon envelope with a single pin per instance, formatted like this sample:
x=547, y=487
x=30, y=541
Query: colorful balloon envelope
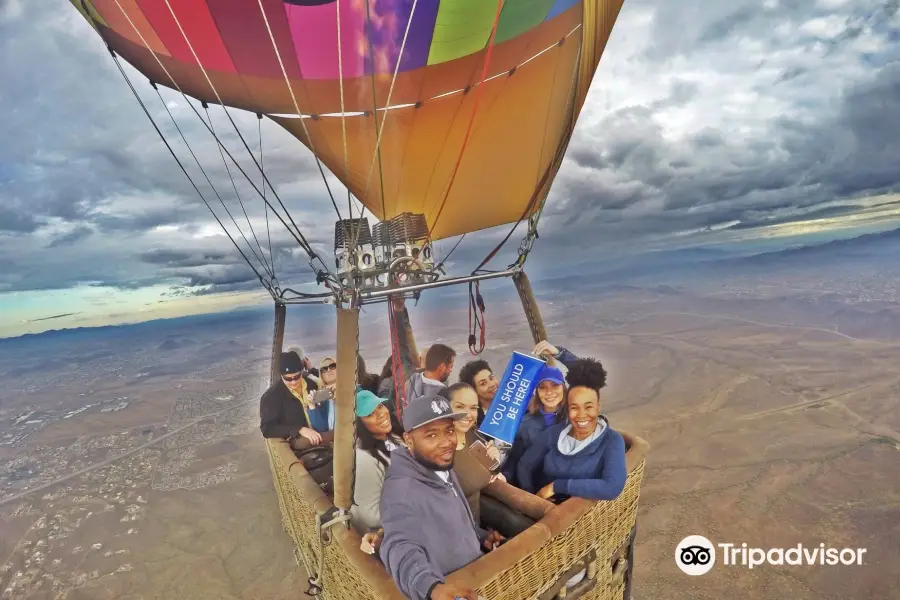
x=460, y=110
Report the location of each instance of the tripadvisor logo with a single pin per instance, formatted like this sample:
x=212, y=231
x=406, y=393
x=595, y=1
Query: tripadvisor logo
x=696, y=555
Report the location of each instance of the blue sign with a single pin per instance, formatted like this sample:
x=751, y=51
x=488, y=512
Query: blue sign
x=513, y=394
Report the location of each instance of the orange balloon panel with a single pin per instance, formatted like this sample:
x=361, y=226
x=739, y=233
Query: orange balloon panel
x=517, y=128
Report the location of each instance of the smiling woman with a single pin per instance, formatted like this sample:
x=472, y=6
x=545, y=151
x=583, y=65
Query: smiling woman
x=583, y=458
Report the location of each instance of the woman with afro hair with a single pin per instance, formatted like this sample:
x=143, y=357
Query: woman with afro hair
x=584, y=457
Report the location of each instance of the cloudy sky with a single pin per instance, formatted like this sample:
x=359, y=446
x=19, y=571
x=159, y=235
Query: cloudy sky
x=709, y=122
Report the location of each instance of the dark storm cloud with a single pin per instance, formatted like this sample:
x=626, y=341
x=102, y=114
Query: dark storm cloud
x=179, y=258
x=626, y=174
x=17, y=220
x=82, y=168
x=703, y=114
x=216, y=275
x=79, y=233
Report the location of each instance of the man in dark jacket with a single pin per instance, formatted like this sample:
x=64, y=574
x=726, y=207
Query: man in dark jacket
x=429, y=531
x=438, y=365
x=282, y=408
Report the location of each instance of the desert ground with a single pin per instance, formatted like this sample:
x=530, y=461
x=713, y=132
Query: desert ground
x=767, y=432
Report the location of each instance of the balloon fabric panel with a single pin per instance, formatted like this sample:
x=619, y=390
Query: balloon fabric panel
x=280, y=58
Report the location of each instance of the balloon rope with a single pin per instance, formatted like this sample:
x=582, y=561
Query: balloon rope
x=378, y=129
x=209, y=181
x=221, y=102
x=484, y=70
x=387, y=104
x=343, y=117
x=287, y=81
x=186, y=174
x=550, y=170
x=262, y=165
x=262, y=253
x=297, y=235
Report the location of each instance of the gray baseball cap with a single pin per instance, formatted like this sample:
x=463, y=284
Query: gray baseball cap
x=426, y=409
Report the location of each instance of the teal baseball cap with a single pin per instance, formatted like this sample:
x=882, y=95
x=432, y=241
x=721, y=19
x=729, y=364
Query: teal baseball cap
x=367, y=402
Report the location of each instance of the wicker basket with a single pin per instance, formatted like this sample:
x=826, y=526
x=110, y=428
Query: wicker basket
x=536, y=564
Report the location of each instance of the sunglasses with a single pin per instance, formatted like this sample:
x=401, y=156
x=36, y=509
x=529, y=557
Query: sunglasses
x=288, y=379
x=330, y=367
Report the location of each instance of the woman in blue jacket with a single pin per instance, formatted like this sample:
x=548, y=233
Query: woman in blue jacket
x=584, y=457
x=546, y=407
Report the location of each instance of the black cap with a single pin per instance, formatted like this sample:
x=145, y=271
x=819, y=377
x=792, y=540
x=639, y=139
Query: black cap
x=290, y=363
x=426, y=409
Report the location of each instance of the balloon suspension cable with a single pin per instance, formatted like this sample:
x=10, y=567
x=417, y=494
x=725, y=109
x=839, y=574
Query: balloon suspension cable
x=143, y=106
x=387, y=103
x=236, y=192
x=539, y=197
x=476, y=302
x=323, y=274
x=215, y=191
x=305, y=131
x=262, y=166
x=340, y=54
x=376, y=155
x=478, y=95
x=440, y=265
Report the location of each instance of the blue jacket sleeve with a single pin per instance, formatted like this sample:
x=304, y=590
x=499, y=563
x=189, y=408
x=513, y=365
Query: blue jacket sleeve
x=612, y=478
x=524, y=439
x=402, y=553
x=512, y=460
x=565, y=357
x=318, y=417
x=532, y=462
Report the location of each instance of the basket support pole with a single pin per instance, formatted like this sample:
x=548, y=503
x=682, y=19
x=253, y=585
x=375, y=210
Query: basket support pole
x=345, y=406
x=532, y=311
x=277, y=342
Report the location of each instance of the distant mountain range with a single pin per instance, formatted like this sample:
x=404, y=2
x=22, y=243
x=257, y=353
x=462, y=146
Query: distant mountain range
x=885, y=243
x=246, y=315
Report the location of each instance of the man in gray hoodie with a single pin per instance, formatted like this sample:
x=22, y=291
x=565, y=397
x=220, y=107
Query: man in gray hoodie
x=429, y=531
x=438, y=365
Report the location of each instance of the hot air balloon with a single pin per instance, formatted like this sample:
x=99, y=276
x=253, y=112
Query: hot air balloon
x=441, y=118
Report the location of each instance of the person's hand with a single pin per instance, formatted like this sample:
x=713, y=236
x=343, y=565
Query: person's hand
x=545, y=348
x=447, y=591
x=493, y=540
x=493, y=451
x=497, y=476
x=546, y=492
x=371, y=541
x=312, y=435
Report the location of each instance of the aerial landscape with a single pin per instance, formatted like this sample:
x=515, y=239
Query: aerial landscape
x=135, y=468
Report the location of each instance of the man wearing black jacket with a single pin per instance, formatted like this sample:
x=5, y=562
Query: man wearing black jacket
x=282, y=408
